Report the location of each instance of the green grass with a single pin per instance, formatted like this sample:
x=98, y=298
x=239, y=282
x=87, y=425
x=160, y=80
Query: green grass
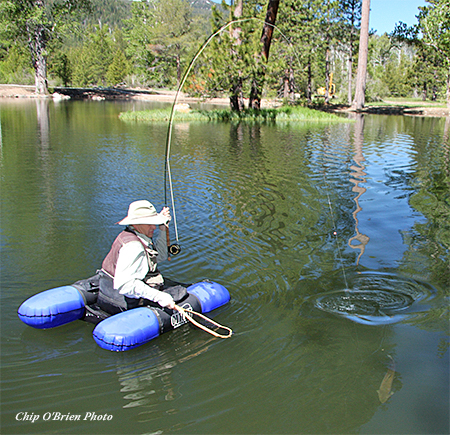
x=283, y=114
x=409, y=102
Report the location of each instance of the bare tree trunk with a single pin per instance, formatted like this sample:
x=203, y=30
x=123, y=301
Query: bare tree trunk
x=327, y=74
x=271, y=17
x=237, y=13
x=266, y=39
x=309, y=86
x=37, y=43
x=350, y=62
x=350, y=76
x=237, y=95
x=291, y=83
x=288, y=82
x=448, y=88
x=360, y=94
x=178, y=60
x=327, y=57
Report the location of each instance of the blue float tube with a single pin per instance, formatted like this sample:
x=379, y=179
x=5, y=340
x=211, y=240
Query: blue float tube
x=127, y=330
x=138, y=326
x=52, y=308
x=210, y=294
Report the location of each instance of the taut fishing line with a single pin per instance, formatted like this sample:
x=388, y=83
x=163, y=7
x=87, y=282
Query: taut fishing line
x=335, y=233
x=175, y=248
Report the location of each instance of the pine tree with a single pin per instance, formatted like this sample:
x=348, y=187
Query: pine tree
x=434, y=23
x=118, y=69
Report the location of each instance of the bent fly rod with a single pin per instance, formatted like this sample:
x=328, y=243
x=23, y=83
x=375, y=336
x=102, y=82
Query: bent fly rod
x=175, y=248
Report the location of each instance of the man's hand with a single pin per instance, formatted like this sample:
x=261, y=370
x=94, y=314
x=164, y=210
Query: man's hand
x=165, y=300
x=166, y=212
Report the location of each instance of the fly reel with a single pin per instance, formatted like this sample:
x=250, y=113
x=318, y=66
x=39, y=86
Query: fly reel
x=174, y=249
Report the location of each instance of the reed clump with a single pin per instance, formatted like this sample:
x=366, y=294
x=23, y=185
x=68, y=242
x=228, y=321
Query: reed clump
x=282, y=114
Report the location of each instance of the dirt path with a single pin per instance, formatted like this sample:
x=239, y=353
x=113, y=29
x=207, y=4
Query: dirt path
x=407, y=108
x=19, y=91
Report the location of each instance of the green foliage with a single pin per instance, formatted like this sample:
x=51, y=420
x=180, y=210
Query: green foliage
x=431, y=40
x=160, y=40
x=15, y=66
x=60, y=66
x=40, y=25
x=118, y=69
x=151, y=43
x=92, y=60
x=434, y=22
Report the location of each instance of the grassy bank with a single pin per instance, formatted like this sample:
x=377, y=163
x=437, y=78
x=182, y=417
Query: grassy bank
x=283, y=114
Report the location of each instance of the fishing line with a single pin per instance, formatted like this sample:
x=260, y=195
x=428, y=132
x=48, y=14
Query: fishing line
x=335, y=233
x=167, y=172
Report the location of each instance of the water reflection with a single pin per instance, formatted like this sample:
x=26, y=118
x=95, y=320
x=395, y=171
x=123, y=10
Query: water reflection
x=358, y=177
x=43, y=120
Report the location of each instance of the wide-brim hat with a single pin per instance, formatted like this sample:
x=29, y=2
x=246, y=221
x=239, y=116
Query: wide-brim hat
x=143, y=213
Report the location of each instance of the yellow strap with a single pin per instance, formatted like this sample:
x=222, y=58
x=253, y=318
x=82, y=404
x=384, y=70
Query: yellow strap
x=186, y=313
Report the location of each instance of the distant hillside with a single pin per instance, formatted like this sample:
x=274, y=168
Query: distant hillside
x=113, y=12
x=204, y=5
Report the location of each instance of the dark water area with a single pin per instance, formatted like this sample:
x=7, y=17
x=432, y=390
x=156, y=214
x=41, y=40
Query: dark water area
x=333, y=240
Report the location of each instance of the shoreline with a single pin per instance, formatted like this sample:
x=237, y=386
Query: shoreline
x=108, y=94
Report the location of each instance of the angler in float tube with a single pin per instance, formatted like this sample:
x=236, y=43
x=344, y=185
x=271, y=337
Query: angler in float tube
x=129, y=277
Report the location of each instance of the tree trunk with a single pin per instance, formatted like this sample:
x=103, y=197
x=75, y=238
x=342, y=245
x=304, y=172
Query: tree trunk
x=448, y=88
x=178, y=60
x=291, y=83
x=309, y=85
x=266, y=39
x=360, y=94
x=350, y=75
x=40, y=66
x=37, y=42
x=327, y=74
x=237, y=95
x=350, y=63
x=288, y=83
x=37, y=45
x=271, y=17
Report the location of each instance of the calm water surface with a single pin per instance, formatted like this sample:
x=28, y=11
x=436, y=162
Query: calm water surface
x=333, y=241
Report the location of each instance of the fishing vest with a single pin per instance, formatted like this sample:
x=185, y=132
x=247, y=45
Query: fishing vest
x=153, y=277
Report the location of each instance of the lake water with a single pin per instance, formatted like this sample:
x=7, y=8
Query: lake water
x=333, y=240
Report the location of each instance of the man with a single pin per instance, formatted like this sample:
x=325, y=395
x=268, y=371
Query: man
x=129, y=276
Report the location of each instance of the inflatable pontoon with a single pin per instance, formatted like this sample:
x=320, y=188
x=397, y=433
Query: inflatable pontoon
x=123, y=331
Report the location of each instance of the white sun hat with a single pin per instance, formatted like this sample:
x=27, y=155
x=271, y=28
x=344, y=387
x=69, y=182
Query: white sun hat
x=143, y=213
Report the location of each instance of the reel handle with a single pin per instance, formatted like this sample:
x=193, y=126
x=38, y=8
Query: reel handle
x=172, y=249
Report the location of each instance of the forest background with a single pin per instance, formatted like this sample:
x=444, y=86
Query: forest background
x=150, y=44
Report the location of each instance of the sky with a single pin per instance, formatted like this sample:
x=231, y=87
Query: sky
x=384, y=14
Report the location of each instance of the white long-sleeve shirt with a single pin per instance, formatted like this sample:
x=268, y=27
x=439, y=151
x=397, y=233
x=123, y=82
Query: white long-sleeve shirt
x=132, y=268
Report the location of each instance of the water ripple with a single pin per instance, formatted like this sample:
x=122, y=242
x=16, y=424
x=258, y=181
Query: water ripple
x=376, y=298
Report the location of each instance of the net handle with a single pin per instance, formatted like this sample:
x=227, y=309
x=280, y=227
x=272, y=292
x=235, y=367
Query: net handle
x=187, y=314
